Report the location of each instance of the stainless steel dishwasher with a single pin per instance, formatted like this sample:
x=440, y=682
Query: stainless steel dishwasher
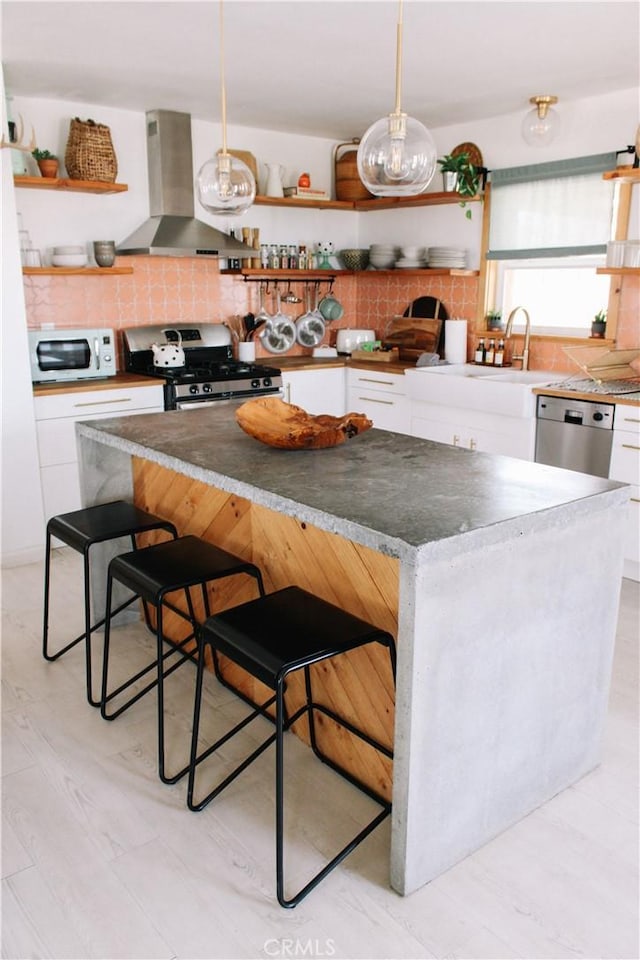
x=574, y=434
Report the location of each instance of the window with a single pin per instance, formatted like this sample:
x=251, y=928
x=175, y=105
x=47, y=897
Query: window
x=549, y=227
x=561, y=295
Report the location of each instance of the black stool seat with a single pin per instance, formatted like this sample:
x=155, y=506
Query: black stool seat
x=152, y=573
x=81, y=529
x=107, y=521
x=270, y=638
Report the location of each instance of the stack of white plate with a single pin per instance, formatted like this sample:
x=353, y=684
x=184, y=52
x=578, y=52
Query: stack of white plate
x=412, y=258
x=446, y=257
x=69, y=256
x=382, y=256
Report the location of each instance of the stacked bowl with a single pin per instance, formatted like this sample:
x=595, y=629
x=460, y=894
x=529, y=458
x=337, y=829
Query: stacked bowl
x=412, y=258
x=70, y=256
x=382, y=256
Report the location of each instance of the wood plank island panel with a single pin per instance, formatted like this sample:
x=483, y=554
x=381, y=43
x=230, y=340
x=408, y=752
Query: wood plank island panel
x=357, y=686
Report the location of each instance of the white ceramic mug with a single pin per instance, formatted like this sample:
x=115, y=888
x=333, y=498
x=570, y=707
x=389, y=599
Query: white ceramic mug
x=247, y=351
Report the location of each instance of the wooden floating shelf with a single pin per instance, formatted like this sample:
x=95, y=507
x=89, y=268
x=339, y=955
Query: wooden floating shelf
x=376, y=203
x=623, y=175
x=302, y=275
x=61, y=183
x=75, y=271
x=622, y=271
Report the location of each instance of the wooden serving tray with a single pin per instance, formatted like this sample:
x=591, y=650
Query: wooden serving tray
x=377, y=356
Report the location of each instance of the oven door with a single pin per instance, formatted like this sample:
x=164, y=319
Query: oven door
x=186, y=403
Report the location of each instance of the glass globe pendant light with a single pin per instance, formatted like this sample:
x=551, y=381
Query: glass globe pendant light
x=397, y=155
x=225, y=185
x=541, y=124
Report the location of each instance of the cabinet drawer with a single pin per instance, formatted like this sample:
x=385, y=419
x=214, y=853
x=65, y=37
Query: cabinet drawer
x=372, y=380
x=625, y=457
x=632, y=531
x=387, y=411
x=84, y=406
x=627, y=419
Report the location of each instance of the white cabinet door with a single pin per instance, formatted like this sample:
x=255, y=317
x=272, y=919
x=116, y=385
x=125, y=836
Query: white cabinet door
x=316, y=391
x=56, y=417
x=381, y=397
x=625, y=466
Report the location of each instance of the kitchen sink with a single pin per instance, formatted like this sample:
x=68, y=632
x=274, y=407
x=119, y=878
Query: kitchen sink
x=534, y=378
x=459, y=370
x=507, y=392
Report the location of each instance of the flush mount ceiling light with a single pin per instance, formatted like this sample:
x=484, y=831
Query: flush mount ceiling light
x=225, y=184
x=397, y=155
x=540, y=125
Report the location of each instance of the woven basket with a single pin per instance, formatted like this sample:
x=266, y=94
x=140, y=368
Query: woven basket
x=89, y=154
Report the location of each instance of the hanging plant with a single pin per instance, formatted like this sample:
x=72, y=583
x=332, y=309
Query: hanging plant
x=467, y=176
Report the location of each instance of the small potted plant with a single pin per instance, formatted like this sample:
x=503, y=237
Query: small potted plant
x=459, y=174
x=599, y=324
x=494, y=320
x=47, y=162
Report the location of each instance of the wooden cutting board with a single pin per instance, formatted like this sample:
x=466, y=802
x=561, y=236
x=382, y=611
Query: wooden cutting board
x=414, y=336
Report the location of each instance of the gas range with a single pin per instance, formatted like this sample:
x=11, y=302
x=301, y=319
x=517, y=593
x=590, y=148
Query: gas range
x=209, y=372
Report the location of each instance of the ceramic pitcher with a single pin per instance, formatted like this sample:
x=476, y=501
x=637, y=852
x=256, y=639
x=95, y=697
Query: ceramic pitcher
x=275, y=173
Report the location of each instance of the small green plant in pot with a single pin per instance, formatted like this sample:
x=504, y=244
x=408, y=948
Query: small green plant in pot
x=599, y=324
x=494, y=320
x=47, y=162
x=460, y=175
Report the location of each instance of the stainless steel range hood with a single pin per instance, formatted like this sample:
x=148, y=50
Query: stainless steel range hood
x=172, y=229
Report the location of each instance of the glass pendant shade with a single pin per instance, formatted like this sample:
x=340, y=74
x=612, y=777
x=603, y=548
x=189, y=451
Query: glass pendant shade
x=397, y=157
x=540, y=125
x=225, y=185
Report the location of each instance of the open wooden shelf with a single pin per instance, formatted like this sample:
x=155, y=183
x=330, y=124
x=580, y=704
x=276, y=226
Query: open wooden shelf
x=623, y=174
x=75, y=271
x=251, y=273
x=376, y=203
x=61, y=183
x=622, y=271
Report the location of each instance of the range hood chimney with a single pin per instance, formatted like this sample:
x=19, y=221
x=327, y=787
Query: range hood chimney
x=172, y=229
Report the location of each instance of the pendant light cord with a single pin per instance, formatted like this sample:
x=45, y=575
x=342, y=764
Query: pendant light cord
x=398, y=108
x=223, y=92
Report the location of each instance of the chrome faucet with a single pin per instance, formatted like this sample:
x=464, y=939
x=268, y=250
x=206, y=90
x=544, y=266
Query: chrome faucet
x=524, y=356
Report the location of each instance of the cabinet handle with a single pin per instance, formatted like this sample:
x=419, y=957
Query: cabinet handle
x=387, y=403
x=456, y=440
x=631, y=419
x=634, y=499
x=630, y=446
x=287, y=393
x=384, y=383
x=472, y=444
x=103, y=403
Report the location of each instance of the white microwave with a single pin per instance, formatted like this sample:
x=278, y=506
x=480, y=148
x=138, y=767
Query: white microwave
x=71, y=354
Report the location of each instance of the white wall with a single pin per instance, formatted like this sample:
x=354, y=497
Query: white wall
x=594, y=125
x=22, y=516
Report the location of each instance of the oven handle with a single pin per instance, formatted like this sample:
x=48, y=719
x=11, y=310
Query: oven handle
x=192, y=404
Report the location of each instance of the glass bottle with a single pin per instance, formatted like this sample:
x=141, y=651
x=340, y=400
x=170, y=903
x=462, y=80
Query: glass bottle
x=480, y=351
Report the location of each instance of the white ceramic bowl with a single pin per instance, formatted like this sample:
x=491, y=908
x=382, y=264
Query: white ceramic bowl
x=69, y=260
x=64, y=251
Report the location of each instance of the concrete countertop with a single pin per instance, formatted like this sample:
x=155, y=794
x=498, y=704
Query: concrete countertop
x=397, y=494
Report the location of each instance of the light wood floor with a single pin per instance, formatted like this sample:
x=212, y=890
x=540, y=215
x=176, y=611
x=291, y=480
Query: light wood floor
x=101, y=860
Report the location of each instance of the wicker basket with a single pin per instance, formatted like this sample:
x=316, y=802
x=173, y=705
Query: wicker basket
x=89, y=154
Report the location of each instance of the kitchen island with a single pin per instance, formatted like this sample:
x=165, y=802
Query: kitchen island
x=500, y=579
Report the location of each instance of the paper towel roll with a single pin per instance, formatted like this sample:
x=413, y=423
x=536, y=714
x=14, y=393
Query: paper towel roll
x=455, y=340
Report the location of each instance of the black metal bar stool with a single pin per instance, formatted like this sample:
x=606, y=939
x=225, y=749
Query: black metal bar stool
x=81, y=529
x=271, y=637
x=152, y=574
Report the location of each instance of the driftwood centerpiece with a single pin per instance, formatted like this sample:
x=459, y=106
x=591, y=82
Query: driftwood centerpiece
x=283, y=425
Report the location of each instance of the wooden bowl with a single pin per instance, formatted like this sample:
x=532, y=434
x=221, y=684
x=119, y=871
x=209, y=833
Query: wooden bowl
x=283, y=425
